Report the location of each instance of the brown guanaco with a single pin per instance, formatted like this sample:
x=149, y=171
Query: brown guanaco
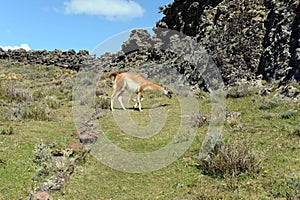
x=132, y=82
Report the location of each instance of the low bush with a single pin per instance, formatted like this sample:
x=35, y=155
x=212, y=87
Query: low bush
x=233, y=119
x=296, y=132
x=102, y=102
x=42, y=159
x=36, y=111
x=231, y=160
x=7, y=130
x=199, y=120
x=288, y=114
x=242, y=89
x=269, y=104
x=12, y=94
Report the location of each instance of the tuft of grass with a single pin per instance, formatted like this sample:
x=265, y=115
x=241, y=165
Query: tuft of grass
x=12, y=94
x=231, y=160
x=52, y=102
x=294, y=188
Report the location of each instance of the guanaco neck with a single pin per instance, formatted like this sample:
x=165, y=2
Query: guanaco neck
x=151, y=86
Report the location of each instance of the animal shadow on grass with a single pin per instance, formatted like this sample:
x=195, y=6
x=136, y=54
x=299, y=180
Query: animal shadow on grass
x=144, y=108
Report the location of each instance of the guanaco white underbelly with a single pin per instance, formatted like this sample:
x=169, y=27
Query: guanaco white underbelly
x=131, y=86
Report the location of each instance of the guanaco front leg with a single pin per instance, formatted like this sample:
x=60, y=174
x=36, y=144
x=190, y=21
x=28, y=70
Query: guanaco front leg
x=139, y=98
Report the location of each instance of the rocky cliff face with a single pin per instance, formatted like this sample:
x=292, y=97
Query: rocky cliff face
x=246, y=38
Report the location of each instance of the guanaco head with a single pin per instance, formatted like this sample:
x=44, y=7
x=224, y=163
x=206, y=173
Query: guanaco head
x=168, y=94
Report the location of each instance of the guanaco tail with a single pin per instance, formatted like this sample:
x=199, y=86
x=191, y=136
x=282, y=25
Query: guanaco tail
x=132, y=82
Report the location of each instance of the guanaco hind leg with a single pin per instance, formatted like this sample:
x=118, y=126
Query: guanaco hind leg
x=139, y=100
x=121, y=102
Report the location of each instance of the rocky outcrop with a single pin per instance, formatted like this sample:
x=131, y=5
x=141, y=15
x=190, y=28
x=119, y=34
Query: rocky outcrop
x=65, y=59
x=249, y=41
x=245, y=38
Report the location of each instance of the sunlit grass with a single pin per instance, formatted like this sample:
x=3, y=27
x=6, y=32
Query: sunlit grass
x=142, y=120
x=264, y=130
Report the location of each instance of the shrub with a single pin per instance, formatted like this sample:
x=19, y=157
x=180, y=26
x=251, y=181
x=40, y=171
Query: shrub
x=233, y=119
x=243, y=89
x=12, y=94
x=7, y=131
x=231, y=160
x=288, y=114
x=102, y=102
x=42, y=159
x=36, y=111
x=52, y=102
x=269, y=104
x=199, y=120
x=288, y=188
x=297, y=130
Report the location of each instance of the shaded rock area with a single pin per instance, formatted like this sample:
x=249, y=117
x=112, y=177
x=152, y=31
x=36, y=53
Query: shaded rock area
x=245, y=38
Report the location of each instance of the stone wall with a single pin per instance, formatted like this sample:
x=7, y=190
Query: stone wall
x=65, y=59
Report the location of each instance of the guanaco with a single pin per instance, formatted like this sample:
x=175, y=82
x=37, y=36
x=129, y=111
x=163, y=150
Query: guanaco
x=132, y=82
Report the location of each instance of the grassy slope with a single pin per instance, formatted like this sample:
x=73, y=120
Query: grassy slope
x=264, y=130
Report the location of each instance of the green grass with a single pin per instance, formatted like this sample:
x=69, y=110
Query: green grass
x=265, y=130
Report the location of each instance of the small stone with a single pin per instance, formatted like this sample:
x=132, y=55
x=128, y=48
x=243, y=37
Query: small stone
x=49, y=144
x=42, y=196
x=57, y=152
x=77, y=147
x=88, y=138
